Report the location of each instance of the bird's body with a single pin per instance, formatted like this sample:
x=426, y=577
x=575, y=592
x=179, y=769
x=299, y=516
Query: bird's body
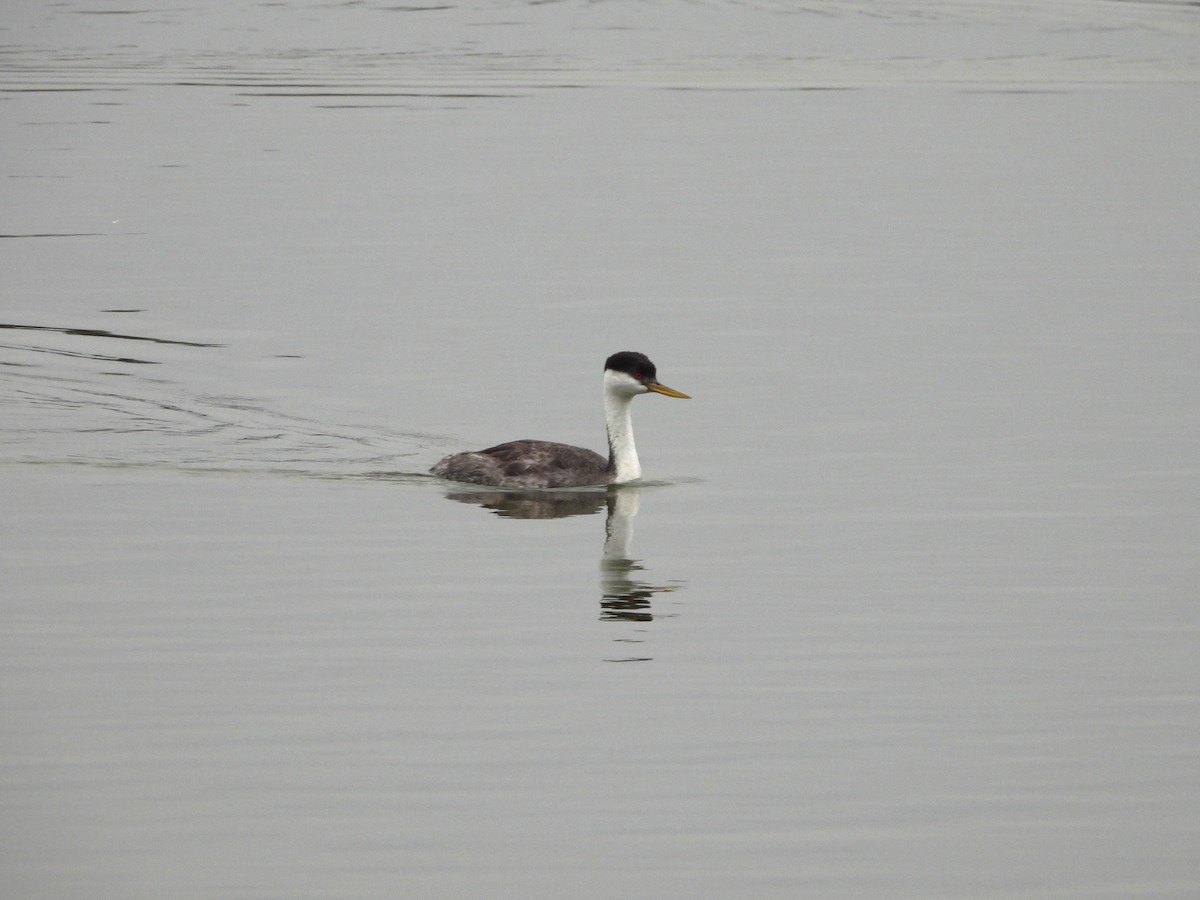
x=526, y=464
x=547, y=464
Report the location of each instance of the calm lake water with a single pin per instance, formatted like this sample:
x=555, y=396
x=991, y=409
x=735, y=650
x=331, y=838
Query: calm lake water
x=907, y=604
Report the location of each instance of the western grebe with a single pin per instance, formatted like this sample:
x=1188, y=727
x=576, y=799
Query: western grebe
x=546, y=464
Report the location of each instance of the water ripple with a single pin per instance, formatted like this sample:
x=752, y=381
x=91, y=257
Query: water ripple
x=478, y=50
x=54, y=412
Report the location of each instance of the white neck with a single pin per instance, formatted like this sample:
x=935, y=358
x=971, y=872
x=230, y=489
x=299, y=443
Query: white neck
x=622, y=454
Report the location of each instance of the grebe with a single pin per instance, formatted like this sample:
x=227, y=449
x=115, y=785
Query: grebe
x=546, y=464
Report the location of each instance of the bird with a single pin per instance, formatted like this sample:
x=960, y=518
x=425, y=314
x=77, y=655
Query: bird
x=529, y=464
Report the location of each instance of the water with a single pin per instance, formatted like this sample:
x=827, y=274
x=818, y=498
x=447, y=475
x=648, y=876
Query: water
x=905, y=607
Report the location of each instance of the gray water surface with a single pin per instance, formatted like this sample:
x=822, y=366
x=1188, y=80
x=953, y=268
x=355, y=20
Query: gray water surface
x=906, y=604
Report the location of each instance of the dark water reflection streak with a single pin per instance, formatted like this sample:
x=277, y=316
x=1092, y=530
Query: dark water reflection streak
x=625, y=594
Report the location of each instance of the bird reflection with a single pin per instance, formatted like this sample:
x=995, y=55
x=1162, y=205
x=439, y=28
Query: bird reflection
x=625, y=595
x=534, y=504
